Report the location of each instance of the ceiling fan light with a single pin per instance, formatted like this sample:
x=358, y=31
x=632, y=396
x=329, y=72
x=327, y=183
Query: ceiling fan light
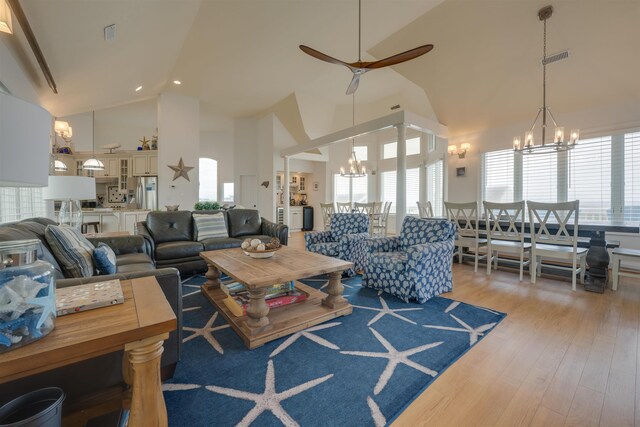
x=93, y=164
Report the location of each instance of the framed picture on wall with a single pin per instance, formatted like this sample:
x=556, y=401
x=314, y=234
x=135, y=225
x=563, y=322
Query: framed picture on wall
x=316, y=185
x=461, y=171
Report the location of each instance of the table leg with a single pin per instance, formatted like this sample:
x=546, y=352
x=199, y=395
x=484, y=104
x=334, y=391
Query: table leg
x=335, y=289
x=257, y=320
x=213, y=278
x=598, y=260
x=142, y=373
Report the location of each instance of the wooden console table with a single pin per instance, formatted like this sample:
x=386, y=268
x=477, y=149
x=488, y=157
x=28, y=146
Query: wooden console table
x=139, y=327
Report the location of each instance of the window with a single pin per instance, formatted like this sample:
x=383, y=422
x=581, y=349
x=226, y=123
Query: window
x=227, y=192
x=21, y=203
x=208, y=179
x=631, y=210
x=498, y=183
x=435, y=186
x=353, y=190
x=540, y=177
x=412, y=189
x=361, y=152
x=390, y=150
x=589, y=178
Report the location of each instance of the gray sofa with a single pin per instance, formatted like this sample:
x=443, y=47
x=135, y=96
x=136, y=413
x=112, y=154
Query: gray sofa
x=170, y=236
x=105, y=371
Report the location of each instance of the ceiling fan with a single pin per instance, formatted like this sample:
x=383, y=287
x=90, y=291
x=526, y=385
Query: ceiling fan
x=359, y=67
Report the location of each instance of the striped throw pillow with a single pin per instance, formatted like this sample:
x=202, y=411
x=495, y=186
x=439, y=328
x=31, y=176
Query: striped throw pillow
x=208, y=226
x=72, y=250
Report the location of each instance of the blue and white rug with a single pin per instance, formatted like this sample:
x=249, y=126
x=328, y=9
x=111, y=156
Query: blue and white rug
x=357, y=370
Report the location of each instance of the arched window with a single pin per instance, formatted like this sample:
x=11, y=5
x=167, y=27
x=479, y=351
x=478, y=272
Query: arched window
x=208, y=179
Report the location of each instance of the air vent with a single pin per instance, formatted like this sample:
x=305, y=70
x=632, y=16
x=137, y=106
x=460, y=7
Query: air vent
x=556, y=57
x=110, y=32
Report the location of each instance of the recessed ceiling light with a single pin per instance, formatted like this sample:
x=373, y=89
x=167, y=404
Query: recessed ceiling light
x=177, y=82
x=139, y=88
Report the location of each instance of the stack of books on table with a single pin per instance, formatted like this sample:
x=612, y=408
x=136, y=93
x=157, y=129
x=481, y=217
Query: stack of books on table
x=277, y=295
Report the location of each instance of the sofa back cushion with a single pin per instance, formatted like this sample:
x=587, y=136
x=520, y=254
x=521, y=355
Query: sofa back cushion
x=243, y=222
x=209, y=226
x=417, y=231
x=170, y=226
x=72, y=250
x=348, y=223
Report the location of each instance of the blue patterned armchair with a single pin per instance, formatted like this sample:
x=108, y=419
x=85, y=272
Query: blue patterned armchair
x=416, y=264
x=345, y=239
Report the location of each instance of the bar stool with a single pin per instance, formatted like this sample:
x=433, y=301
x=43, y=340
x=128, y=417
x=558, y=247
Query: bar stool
x=85, y=226
x=618, y=255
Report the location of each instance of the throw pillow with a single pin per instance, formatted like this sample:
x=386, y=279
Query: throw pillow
x=72, y=250
x=104, y=259
x=208, y=226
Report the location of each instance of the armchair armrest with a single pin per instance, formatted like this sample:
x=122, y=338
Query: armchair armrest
x=150, y=245
x=383, y=244
x=281, y=231
x=316, y=237
x=122, y=244
x=442, y=249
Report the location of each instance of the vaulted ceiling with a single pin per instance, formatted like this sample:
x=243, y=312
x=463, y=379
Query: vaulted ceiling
x=241, y=57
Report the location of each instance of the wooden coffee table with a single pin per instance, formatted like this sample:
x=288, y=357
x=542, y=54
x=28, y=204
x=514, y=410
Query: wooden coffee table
x=260, y=325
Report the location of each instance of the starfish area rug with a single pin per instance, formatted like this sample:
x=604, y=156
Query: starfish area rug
x=357, y=370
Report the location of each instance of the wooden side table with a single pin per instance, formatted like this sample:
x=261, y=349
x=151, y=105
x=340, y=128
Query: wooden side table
x=139, y=327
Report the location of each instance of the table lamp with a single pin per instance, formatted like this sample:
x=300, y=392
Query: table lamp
x=70, y=190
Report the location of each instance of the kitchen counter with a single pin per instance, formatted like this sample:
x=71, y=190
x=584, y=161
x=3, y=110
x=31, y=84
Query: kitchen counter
x=115, y=220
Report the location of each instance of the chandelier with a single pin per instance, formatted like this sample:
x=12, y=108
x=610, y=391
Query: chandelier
x=356, y=170
x=561, y=141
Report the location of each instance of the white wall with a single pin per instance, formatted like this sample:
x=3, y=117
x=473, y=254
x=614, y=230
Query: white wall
x=178, y=137
x=14, y=76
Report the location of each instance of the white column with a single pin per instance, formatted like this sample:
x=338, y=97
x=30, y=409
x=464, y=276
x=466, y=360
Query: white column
x=285, y=191
x=401, y=177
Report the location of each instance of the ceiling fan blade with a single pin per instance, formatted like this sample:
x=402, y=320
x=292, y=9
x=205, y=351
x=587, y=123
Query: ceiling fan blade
x=323, y=57
x=353, y=86
x=401, y=57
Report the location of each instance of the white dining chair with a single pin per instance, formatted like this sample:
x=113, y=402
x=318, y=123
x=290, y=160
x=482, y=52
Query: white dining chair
x=425, y=210
x=343, y=207
x=465, y=217
x=561, y=244
x=617, y=256
x=380, y=228
x=327, y=209
x=505, y=233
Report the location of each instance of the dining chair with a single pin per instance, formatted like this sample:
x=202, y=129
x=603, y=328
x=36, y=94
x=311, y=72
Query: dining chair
x=561, y=244
x=617, y=256
x=465, y=217
x=381, y=226
x=343, y=207
x=505, y=233
x=327, y=209
x=425, y=210
x=367, y=209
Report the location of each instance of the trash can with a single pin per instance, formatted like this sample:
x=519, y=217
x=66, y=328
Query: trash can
x=40, y=408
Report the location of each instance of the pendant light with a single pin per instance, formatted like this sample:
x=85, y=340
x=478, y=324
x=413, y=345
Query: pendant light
x=93, y=164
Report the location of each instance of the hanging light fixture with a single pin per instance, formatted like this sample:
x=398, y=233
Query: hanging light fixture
x=93, y=164
x=59, y=166
x=561, y=140
x=356, y=170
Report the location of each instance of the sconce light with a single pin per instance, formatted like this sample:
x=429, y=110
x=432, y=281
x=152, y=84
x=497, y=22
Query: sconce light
x=452, y=149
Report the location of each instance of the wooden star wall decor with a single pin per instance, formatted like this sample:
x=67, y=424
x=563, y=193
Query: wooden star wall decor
x=181, y=170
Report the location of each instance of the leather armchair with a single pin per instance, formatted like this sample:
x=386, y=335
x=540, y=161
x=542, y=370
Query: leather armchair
x=345, y=239
x=414, y=265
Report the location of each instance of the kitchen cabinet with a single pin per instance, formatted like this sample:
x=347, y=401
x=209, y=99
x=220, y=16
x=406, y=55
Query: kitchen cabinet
x=130, y=219
x=109, y=222
x=124, y=172
x=144, y=164
x=296, y=218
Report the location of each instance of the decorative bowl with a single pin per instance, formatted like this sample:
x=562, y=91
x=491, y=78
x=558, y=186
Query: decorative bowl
x=267, y=253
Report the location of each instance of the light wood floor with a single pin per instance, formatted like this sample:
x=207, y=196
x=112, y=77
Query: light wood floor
x=559, y=358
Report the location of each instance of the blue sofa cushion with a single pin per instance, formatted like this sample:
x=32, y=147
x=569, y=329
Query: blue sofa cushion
x=104, y=259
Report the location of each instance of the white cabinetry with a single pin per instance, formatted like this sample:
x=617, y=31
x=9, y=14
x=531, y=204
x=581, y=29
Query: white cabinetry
x=144, y=164
x=128, y=220
x=296, y=218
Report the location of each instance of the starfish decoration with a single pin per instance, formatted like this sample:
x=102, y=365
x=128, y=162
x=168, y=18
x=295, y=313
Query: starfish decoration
x=179, y=387
x=386, y=310
x=474, y=333
x=343, y=284
x=307, y=333
x=181, y=170
x=191, y=293
x=48, y=304
x=395, y=358
x=206, y=332
x=16, y=294
x=269, y=400
x=378, y=417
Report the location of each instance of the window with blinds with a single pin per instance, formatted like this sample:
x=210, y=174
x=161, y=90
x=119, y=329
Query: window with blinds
x=413, y=190
x=589, y=178
x=353, y=190
x=389, y=189
x=435, y=186
x=21, y=203
x=631, y=211
x=340, y=188
x=498, y=183
x=359, y=190
x=390, y=150
x=540, y=177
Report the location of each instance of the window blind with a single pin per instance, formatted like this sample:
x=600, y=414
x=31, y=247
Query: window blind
x=340, y=188
x=589, y=178
x=413, y=190
x=498, y=184
x=540, y=177
x=359, y=189
x=21, y=203
x=389, y=189
x=631, y=209
x=435, y=185
x=355, y=190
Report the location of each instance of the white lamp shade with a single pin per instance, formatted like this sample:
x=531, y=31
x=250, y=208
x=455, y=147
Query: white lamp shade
x=25, y=134
x=93, y=164
x=59, y=166
x=70, y=188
